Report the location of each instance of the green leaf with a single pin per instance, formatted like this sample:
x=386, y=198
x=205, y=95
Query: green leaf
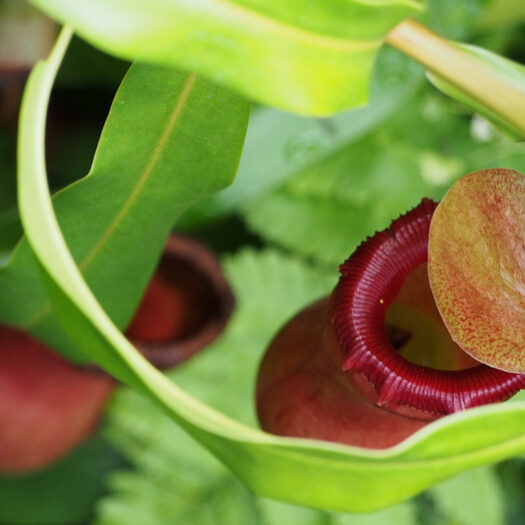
x=453, y=19
x=502, y=13
x=326, y=211
x=472, y=498
x=511, y=474
x=306, y=472
x=403, y=514
x=304, y=56
x=164, y=128
x=174, y=480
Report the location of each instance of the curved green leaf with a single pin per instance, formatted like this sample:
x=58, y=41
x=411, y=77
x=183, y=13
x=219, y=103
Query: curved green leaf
x=164, y=128
x=310, y=473
x=304, y=56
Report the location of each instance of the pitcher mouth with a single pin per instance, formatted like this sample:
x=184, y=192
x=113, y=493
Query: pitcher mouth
x=186, y=306
x=370, y=280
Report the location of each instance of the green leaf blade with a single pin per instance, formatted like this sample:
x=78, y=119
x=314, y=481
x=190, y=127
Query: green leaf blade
x=164, y=129
x=473, y=498
x=303, y=56
x=279, y=145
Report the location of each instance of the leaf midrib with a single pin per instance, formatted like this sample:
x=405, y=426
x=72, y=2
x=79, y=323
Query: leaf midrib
x=117, y=220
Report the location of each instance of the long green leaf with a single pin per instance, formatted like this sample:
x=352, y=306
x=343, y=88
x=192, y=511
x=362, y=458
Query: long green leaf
x=307, y=472
x=165, y=128
x=304, y=56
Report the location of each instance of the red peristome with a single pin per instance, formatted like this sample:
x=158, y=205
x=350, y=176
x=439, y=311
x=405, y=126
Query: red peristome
x=47, y=406
x=301, y=392
x=370, y=280
x=185, y=307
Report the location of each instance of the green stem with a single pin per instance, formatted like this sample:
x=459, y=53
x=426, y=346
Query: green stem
x=465, y=72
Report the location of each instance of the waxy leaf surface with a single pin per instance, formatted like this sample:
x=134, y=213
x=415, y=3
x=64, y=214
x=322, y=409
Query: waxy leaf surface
x=165, y=129
x=310, y=473
x=304, y=56
x=477, y=266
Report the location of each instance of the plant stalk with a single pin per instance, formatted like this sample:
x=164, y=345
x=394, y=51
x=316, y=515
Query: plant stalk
x=477, y=79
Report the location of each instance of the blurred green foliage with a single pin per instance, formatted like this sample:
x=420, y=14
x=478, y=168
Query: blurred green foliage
x=327, y=209
x=63, y=493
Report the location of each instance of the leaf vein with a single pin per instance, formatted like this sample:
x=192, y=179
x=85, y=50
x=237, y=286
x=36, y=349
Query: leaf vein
x=93, y=253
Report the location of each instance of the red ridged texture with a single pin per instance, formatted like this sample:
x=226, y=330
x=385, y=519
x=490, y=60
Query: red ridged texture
x=370, y=280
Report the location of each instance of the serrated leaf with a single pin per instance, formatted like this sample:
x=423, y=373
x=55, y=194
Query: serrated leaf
x=174, y=480
x=307, y=472
x=472, y=498
x=323, y=229
x=164, y=128
x=321, y=53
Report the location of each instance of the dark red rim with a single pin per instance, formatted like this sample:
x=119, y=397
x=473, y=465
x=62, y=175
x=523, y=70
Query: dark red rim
x=370, y=280
x=165, y=355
